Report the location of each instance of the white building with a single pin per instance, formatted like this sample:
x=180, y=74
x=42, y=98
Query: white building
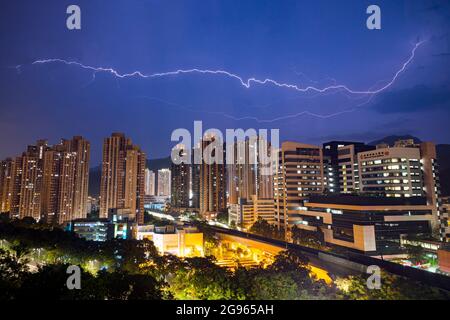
x=164, y=178
x=150, y=182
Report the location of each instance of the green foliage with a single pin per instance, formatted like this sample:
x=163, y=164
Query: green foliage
x=265, y=229
x=288, y=278
x=202, y=279
x=222, y=217
x=392, y=288
x=128, y=269
x=11, y=273
x=415, y=253
x=307, y=238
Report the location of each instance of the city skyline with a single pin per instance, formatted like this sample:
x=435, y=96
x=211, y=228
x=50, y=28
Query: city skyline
x=225, y=150
x=417, y=103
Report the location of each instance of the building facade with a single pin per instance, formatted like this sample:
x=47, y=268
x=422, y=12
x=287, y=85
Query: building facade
x=367, y=224
x=246, y=212
x=212, y=179
x=150, y=182
x=164, y=181
x=180, y=176
x=404, y=170
x=123, y=173
x=298, y=173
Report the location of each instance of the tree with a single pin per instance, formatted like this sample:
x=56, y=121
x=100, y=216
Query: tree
x=201, y=278
x=120, y=285
x=415, y=253
x=392, y=288
x=11, y=274
x=290, y=260
x=307, y=238
x=265, y=229
x=222, y=217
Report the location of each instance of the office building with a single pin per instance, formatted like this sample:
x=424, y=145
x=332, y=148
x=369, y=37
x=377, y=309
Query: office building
x=339, y=158
x=123, y=174
x=93, y=229
x=246, y=212
x=404, y=170
x=366, y=224
x=298, y=173
x=348, y=167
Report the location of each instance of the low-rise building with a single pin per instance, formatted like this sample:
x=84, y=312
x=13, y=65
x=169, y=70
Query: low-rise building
x=246, y=212
x=93, y=229
x=182, y=241
x=369, y=225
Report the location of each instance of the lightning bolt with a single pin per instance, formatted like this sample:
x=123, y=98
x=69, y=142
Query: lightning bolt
x=256, y=119
x=247, y=83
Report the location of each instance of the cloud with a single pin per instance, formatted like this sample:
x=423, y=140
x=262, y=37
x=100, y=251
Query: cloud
x=418, y=98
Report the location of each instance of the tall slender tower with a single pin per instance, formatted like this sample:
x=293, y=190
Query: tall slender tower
x=5, y=184
x=123, y=177
x=180, y=176
x=164, y=181
x=149, y=182
x=31, y=181
x=212, y=182
x=14, y=188
x=82, y=148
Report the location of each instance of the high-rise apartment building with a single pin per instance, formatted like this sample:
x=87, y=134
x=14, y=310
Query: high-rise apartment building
x=14, y=189
x=31, y=181
x=180, y=176
x=81, y=147
x=6, y=179
x=150, y=182
x=212, y=195
x=194, y=193
x=47, y=182
x=298, y=173
x=248, y=174
x=164, y=181
x=123, y=174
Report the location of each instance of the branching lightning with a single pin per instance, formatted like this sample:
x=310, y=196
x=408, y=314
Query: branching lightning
x=247, y=83
x=377, y=88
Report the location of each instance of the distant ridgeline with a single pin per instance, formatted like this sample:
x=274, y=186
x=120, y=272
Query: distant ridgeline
x=443, y=155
